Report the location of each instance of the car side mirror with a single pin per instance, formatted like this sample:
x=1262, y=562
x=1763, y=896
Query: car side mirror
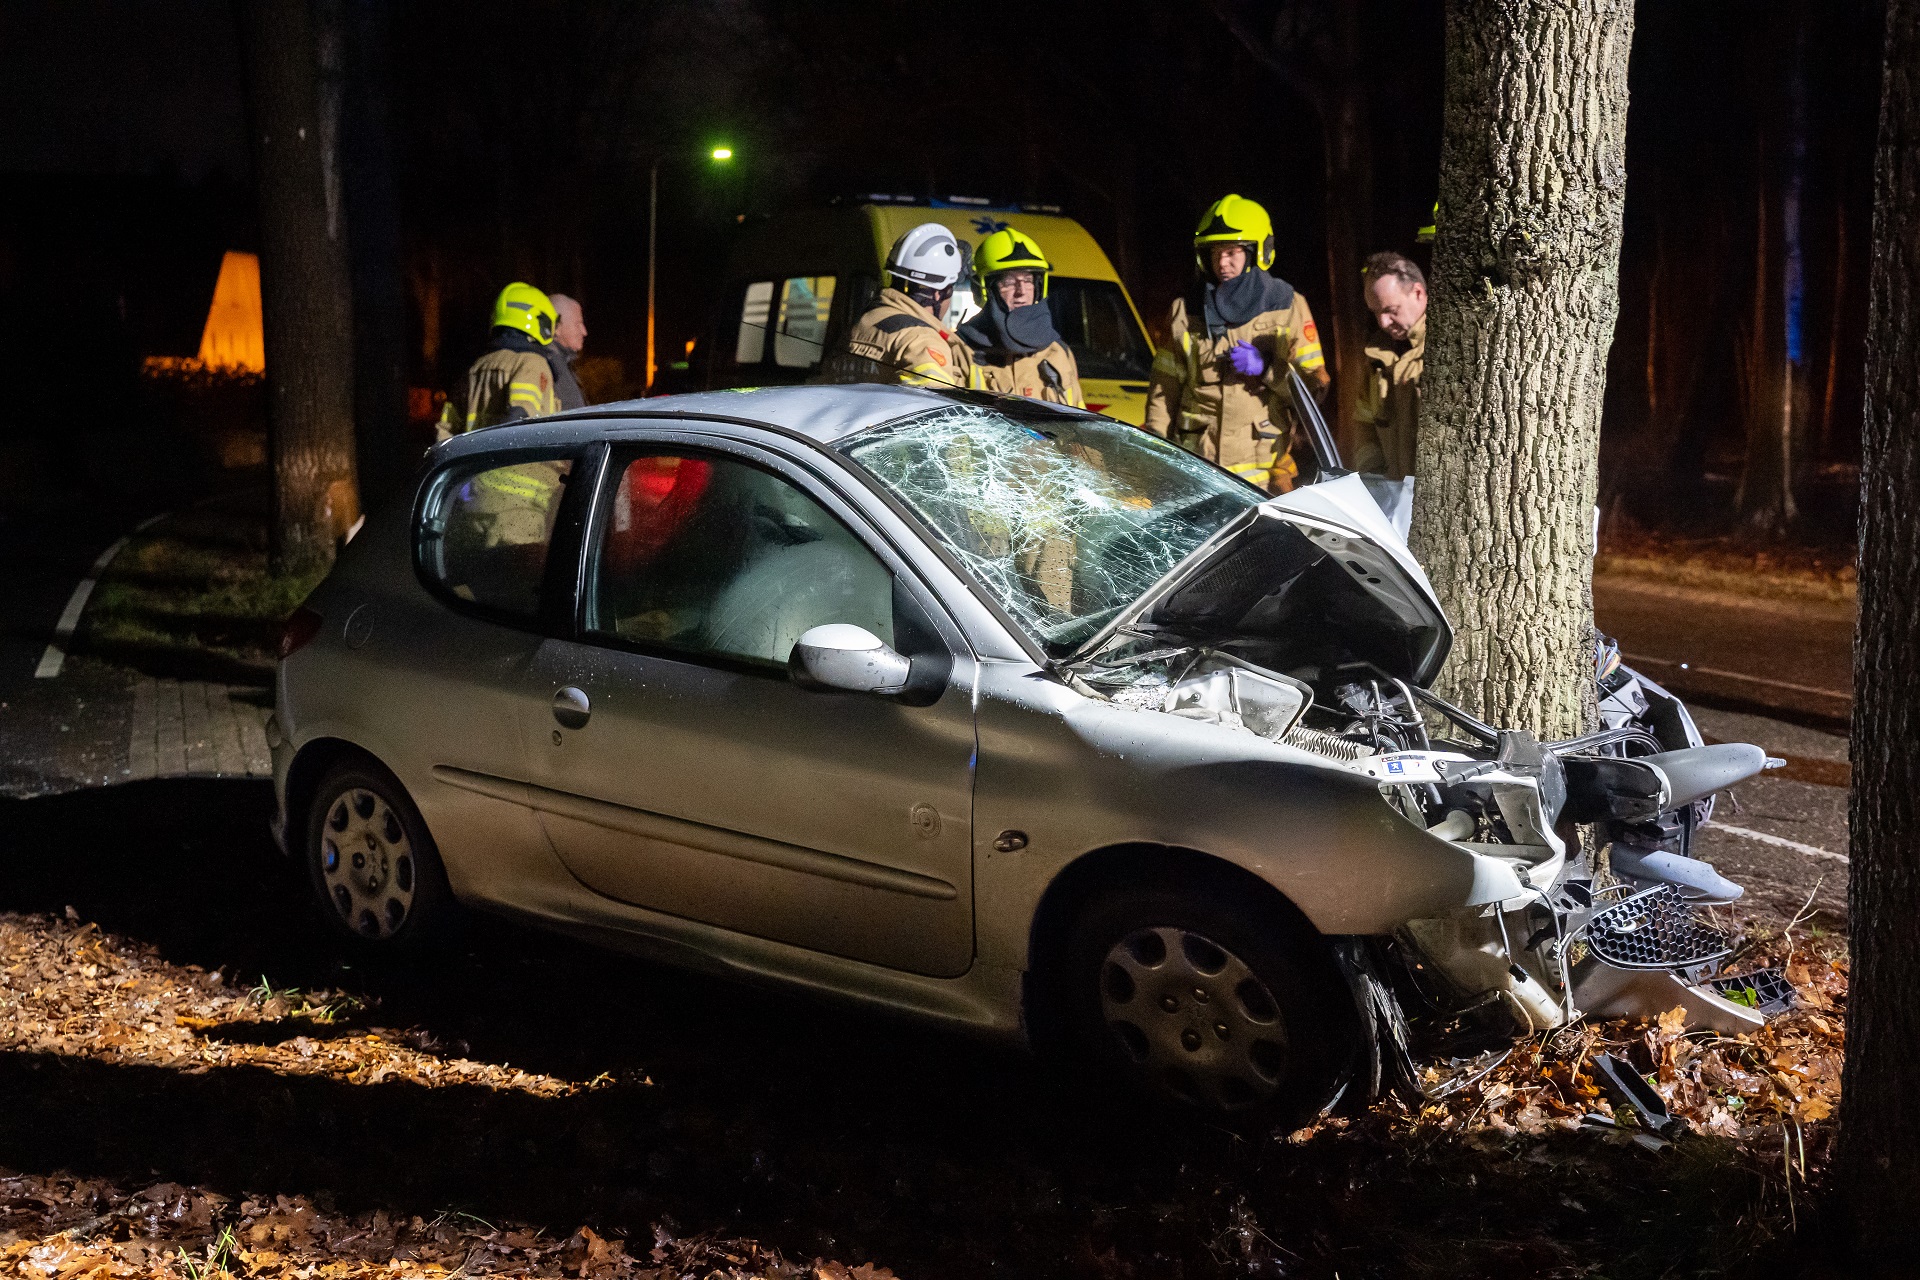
x=850, y=659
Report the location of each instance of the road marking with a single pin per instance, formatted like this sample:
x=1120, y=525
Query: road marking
x=55, y=657
x=1635, y=659
x=1780, y=841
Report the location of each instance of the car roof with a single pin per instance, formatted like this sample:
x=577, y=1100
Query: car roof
x=824, y=414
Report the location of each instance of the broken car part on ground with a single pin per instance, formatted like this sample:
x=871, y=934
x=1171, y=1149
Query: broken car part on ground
x=1013, y=718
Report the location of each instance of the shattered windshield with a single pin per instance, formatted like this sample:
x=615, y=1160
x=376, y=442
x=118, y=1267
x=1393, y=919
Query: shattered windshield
x=1064, y=521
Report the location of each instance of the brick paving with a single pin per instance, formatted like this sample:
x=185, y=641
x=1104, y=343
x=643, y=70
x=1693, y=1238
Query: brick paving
x=196, y=729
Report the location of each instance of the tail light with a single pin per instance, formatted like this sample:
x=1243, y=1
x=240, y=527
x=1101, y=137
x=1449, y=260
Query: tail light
x=297, y=630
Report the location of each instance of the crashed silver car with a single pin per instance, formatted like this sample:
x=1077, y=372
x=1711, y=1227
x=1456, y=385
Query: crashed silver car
x=1006, y=716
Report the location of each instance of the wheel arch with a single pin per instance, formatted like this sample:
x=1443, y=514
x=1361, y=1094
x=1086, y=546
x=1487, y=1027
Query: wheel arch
x=1084, y=879
x=310, y=764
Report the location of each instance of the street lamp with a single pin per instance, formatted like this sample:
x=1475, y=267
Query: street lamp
x=719, y=155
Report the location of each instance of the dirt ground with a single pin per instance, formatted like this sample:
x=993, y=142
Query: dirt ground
x=194, y=1083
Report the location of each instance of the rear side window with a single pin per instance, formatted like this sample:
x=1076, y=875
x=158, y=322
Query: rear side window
x=801, y=337
x=487, y=529
x=1093, y=317
x=751, y=346
x=787, y=318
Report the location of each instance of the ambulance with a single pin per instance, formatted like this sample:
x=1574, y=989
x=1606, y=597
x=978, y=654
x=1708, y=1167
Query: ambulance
x=797, y=282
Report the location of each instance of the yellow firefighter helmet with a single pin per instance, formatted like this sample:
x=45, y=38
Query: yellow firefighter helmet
x=1235, y=220
x=523, y=307
x=1008, y=250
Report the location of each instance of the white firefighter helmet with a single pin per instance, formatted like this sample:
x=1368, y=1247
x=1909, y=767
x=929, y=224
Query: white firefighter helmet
x=927, y=255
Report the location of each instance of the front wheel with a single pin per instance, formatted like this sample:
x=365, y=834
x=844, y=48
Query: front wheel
x=1203, y=999
x=370, y=861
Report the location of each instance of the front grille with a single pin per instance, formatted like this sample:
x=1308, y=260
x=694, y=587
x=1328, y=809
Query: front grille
x=1655, y=929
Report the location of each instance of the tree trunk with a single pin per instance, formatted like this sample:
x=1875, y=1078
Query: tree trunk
x=386, y=455
x=1349, y=204
x=294, y=115
x=1877, y=1191
x=1525, y=291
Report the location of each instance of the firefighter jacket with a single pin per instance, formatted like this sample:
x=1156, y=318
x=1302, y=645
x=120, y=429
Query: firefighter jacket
x=1047, y=374
x=898, y=340
x=513, y=380
x=1387, y=416
x=1200, y=402
x=514, y=506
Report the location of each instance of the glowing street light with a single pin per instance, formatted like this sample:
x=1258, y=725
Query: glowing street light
x=719, y=155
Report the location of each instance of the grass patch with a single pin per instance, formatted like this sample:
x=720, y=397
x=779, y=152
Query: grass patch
x=192, y=597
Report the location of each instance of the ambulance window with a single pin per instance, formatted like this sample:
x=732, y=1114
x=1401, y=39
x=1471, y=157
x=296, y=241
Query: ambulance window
x=1094, y=318
x=800, y=338
x=752, y=342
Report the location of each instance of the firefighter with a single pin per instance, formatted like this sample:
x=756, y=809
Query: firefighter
x=903, y=336
x=1219, y=388
x=1016, y=350
x=514, y=380
x=1386, y=414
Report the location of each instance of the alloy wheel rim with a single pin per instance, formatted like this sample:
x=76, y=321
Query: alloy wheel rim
x=367, y=863
x=1193, y=1019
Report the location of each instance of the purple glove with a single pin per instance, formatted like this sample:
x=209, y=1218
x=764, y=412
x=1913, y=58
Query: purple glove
x=1247, y=360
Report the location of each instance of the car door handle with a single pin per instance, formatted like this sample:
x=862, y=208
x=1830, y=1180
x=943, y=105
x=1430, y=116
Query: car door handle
x=571, y=708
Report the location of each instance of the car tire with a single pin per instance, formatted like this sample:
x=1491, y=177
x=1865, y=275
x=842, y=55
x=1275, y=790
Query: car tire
x=1200, y=997
x=377, y=879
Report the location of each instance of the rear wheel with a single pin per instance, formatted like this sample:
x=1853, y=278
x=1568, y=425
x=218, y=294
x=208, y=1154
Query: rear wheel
x=370, y=860
x=1199, y=997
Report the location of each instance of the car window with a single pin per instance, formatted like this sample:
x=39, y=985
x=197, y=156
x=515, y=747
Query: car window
x=487, y=529
x=1093, y=318
x=800, y=336
x=1063, y=520
x=716, y=558
x=755, y=306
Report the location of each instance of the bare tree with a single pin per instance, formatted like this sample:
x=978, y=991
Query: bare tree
x=1877, y=1192
x=294, y=75
x=1525, y=292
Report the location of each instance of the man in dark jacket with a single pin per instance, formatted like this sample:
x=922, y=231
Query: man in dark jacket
x=569, y=339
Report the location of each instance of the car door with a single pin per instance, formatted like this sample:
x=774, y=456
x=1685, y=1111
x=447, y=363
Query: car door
x=680, y=770
x=494, y=547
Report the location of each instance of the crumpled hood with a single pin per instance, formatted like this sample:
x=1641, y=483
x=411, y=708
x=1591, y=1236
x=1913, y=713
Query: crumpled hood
x=1322, y=556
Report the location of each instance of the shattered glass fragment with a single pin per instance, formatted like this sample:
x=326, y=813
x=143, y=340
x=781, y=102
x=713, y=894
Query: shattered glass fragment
x=1064, y=521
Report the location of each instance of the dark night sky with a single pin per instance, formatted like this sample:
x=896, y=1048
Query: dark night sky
x=126, y=118
x=120, y=86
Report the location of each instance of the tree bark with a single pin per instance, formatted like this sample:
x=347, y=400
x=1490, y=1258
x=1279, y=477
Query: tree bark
x=1877, y=1191
x=305, y=289
x=1525, y=294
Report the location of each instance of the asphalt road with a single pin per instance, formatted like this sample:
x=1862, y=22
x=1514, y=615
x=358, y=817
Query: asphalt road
x=1790, y=656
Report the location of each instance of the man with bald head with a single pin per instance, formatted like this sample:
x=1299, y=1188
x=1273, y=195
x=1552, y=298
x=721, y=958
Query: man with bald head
x=569, y=337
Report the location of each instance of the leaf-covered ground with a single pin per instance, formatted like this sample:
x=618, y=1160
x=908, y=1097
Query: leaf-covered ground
x=191, y=1083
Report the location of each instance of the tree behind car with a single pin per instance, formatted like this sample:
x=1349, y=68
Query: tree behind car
x=1877, y=1194
x=1525, y=291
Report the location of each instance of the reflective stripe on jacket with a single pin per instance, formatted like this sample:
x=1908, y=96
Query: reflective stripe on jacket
x=898, y=340
x=506, y=386
x=1200, y=402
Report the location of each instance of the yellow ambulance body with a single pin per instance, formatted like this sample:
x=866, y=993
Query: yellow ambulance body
x=797, y=282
